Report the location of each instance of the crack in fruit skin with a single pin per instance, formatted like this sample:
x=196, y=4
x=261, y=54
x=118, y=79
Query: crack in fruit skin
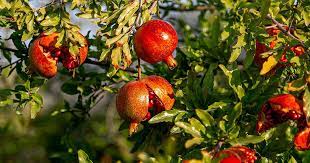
x=141, y=100
x=279, y=109
x=68, y=59
x=40, y=57
x=302, y=139
x=162, y=89
x=237, y=154
x=155, y=41
x=44, y=56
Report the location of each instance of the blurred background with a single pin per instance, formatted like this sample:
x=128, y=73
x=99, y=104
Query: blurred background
x=52, y=136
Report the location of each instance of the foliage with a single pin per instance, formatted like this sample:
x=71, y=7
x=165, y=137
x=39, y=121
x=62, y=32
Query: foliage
x=219, y=89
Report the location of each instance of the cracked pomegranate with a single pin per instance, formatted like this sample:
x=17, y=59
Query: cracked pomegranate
x=278, y=109
x=140, y=100
x=302, y=139
x=237, y=154
x=71, y=61
x=155, y=41
x=44, y=56
x=41, y=55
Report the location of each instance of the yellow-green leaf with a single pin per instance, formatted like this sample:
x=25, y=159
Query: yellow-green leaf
x=268, y=65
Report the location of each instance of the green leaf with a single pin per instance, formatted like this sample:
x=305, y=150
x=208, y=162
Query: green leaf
x=70, y=88
x=306, y=15
x=233, y=114
x=6, y=102
x=265, y=4
x=231, y=77
x=306, y=104
x=83, y=157
x=197, y=124
x=165, y=116
x=37, y=98
x=194, y=141
x=52, y=20
x=35, y=109
x=188, y=128
x=205, y=117
x=292, y=160
x=268, y=65
x=251, y=139
x=219, y=104
x=104, y=54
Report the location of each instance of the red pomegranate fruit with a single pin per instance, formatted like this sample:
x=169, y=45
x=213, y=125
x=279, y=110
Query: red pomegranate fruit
x=41, y=55
x=162, y=90
x=302, y=139
x=138, y=101
x=155, y=41
x=71, y=61
x=279, y=109
x=237, y=154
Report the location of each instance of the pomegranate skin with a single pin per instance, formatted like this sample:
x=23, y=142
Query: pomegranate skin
x=68, y=59
x=237, y=154
x=40, y=55
x=155, y=41
x=302, y=139
x=132, y=101
x=279, y=109
x=162, y=88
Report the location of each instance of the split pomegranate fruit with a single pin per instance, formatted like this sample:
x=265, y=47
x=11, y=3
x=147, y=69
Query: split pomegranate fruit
x=44, y=56
x=155, y=41
x=262, y=48
x=302, y=139
x=279, y=109
x=139, y=100
x=237, y=154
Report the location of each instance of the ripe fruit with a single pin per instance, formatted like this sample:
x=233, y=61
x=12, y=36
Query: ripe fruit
x=140, y=100
x=278, y=109
x=43, y=55
x=70, y=61
x=302, y=139
x=237, y=154
x=40, y=55
x=261, y=48
x=162, y=89
x=155, y=41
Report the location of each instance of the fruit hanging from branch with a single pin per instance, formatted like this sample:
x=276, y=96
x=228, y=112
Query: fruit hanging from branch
x=237, y=154
x=279, y=109
x=138, y=101
x=44, y=55
x=155, y=41
x=302, y=139
x=41, y=55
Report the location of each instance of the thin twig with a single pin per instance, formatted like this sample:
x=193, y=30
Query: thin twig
x=8, y=49
x=279, y=25
x=139, y=69
x=20, y=59
x=217, y=147
x=182, y=8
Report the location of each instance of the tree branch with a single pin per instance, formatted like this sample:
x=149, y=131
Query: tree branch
x=183, y=8
x=279, y=25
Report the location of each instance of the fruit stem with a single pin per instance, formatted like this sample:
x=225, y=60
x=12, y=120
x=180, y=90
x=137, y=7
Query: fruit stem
x=139, y=69
x=133, y=128
x=171, y=62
